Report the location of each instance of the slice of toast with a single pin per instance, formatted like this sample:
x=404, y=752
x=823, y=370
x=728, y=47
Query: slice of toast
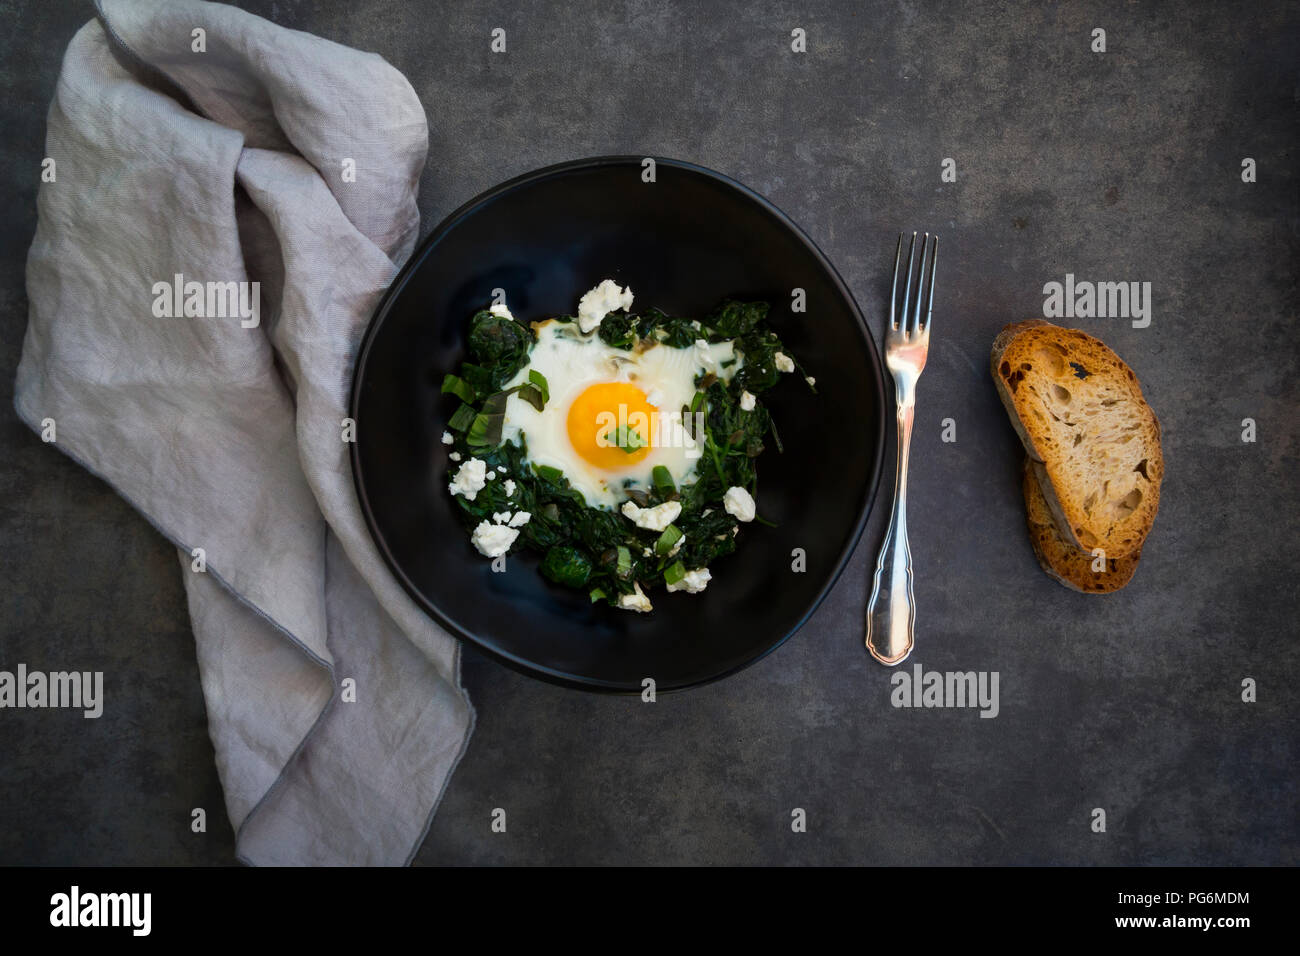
x=1061, y=560
x=1081, y=416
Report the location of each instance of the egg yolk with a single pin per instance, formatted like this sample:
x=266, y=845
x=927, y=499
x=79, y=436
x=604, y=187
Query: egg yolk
x=605, y=413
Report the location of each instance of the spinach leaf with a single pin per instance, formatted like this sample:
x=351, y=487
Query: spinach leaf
x=501, y=345
x=567, y=565
x=618, y=330
x=734, y=319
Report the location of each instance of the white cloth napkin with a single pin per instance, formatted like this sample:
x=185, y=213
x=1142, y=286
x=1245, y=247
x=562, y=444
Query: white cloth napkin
x=233, y=163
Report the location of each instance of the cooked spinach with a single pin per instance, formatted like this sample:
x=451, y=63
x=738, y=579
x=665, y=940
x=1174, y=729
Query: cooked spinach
x=592, y=548
x=500, y=344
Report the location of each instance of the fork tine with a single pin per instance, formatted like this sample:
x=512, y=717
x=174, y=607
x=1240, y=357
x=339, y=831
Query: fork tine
x=907, y=287
x=914, y=326
x=934, y=267
x=893, y=289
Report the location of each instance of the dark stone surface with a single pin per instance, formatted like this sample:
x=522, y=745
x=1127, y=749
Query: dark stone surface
x=1121, y=166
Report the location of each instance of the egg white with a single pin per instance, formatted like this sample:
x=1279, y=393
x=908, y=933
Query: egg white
x=571, y=363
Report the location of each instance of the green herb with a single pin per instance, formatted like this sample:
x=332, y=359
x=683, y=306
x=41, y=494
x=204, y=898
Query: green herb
x=501, y=345
x=671, y=535
x=539, y=380
x=533, y=396
x=478, y=378
x=618, y=330
x=486, y=429
x=457, y=386
x=663, y=481
x=567, y=565
x=593, y=548
x=462, y=418
x=734, y=319
x=628, y=439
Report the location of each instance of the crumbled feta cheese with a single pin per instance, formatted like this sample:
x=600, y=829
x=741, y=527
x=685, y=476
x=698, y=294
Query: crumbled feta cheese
x=695, y=324
x=747, y=401
x=652, y=519
x=520, y=519
x=469, y=479
x=812, y=382
x=783, y=362
x=499, y=308
x=493, y=540
x=739, y=503
x=637, y=601
x=694, y=581
x=509, y=487
x=677, y=547
x=490, y=475
x=647, y=552
x=447, y=439
x=454, y=456
x=501, y=517
x=600, y=301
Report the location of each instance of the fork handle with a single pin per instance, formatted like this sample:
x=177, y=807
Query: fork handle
x=891, y=612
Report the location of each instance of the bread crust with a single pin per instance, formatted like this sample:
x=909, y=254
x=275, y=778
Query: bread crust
x=1089, y=431
x=1063, y=562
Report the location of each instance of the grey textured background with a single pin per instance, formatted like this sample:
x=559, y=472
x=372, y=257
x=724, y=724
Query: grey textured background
x=1122, y=166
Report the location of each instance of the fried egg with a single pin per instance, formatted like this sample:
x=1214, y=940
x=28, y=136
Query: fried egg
x=612, y=415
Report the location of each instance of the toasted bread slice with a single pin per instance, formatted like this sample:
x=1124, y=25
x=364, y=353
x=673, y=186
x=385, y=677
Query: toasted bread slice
x=1081, y=416
x=1061, y=560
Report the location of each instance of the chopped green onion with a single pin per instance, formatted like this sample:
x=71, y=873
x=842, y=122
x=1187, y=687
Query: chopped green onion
x=533, y=396
x=697, y=402
x=597, y=594
x=547, y=473
x=663, y=480
x=538, y=379
x=672, y=534
x=458, y=387
x=628, y=439
x=674, y=573
x=486, y=429
x=462, y=419
x=624, y=561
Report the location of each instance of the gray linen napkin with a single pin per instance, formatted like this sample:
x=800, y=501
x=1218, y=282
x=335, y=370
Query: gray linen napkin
x=272, y=156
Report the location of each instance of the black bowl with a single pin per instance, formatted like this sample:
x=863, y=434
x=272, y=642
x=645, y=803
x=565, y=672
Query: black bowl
x=683, y=243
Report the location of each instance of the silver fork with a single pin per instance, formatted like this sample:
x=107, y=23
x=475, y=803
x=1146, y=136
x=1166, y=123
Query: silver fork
x=891, y=612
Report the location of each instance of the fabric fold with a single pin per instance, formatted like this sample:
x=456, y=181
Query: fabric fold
x=224, y=218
